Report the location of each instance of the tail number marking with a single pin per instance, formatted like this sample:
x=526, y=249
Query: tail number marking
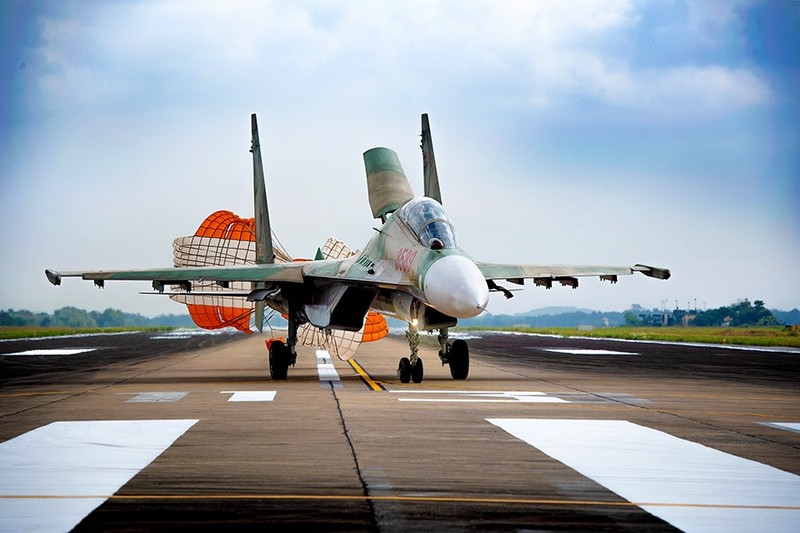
x=405, y=259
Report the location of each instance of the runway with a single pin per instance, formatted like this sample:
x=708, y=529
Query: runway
x=145, y=431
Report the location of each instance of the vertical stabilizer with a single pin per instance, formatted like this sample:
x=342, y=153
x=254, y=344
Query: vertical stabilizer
x=429, y=163
x=386, y=182
x=264, y=253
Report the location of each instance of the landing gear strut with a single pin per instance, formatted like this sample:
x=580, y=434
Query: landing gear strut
x=455, y=354
x=411, y=368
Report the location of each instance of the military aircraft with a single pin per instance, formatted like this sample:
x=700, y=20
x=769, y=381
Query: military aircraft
x=412, y=269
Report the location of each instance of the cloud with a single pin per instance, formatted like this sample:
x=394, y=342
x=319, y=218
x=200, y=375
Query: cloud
x=542, y=54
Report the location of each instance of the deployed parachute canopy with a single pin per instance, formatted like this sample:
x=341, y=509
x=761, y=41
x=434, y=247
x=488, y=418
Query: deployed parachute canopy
x=226, y=239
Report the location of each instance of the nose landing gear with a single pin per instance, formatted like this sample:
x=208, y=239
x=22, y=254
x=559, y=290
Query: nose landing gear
x=411, y=368
x=455, y=354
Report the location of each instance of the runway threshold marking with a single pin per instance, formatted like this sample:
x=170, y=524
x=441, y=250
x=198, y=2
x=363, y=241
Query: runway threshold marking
x=156, y=397
x=466, y=396
x=688, y=485
x=365, y=377
x=251, y=395
x=47, y=472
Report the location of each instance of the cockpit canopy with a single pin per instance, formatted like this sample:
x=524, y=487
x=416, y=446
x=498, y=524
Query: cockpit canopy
x=428, y=220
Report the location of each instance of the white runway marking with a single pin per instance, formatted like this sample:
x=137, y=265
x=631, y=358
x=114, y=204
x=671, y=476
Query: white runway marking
x=156, y=397
x=692, y=487
x=786, y=426
x=325, y=369
x=53, y=351
x=587, y=352
x=251, y=395
x=54, y=476
x=482, y=396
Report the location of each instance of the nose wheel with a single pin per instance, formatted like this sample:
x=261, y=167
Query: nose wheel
x=408, y=372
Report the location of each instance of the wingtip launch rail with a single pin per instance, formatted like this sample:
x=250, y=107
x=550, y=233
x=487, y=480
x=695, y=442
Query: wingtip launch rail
x=411, y=269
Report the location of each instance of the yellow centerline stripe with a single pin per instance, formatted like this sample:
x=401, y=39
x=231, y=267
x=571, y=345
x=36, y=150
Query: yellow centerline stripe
x=429, y=499
x=363, y=373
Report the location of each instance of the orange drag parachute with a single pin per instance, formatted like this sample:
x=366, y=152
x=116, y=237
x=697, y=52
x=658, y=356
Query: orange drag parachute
x=226, y=239
x=222, y=239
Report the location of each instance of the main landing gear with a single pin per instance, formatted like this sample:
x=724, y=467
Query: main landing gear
x=455, y=354
x=282, y=353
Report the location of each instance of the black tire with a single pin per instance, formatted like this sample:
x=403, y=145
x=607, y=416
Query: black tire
x=459, y=359
x=278, y=361
x=404, y=370
x=417, y=372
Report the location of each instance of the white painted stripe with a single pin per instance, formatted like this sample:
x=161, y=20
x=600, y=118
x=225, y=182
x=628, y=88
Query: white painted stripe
x=669, y=477
x=72, y=460
x=53, y=351
x=484, y=397
x=251, y=395
x=577, y=351
x=157, y=397
x=523, y=399
x=325, y=367
x=786, y=426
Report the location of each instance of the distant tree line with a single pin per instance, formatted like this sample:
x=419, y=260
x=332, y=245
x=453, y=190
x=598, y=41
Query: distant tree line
x=72, y=317
x=739, y=314
x=742, y=313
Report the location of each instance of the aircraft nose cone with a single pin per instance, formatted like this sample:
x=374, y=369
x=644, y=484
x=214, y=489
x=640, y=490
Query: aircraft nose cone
x=455, y=286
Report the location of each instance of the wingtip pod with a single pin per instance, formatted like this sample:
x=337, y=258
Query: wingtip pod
x=653, y=272
x=53, y=277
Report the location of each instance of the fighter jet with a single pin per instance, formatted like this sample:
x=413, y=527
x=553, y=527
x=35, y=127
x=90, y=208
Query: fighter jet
x=411, y=269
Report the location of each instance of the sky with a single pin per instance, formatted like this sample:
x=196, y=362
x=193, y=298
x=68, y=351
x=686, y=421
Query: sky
x=591, y=132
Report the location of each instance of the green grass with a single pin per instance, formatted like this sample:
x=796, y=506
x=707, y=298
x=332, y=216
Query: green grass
x=27, y=332
x=748, y=336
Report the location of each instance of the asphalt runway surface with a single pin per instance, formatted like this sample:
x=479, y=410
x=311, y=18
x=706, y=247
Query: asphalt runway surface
x=159, y=432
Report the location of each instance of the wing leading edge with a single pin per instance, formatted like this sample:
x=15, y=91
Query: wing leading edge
x=275, y=272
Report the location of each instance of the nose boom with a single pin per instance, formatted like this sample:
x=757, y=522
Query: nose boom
x=455, y=286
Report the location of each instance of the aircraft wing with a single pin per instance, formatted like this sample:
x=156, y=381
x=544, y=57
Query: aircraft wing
x=293, y=272
x=324, y=272
x=545, y=275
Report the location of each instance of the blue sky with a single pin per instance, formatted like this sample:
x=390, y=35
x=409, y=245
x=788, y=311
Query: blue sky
x=612, y=132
